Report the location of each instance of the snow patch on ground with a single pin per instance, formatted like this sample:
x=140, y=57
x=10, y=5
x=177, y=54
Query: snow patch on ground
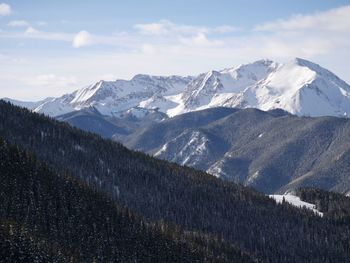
x=217, y=169
x=196, y=147
x=137, y=112
x=252, y=177
x=162, y=150
x=189, y=148
x=79, y=148
x=296, y=201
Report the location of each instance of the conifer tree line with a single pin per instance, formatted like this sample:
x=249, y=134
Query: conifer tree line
x=49, y=217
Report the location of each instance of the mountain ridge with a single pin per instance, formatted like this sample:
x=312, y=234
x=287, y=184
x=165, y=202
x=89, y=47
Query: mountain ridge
x=299, y=86
x=273, y=152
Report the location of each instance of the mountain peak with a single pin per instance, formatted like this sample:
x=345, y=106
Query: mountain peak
x=261, y=62
x=302, y=61
x=325, y=73
x=141, y=77
x=311, y=65
x=264, y=61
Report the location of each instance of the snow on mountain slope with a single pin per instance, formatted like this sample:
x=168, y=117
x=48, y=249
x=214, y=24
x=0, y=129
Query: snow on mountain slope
x=303, y=88
x=296, y=201
x=113, y=97
x=27, y=104
x=299, y=86
x=191, y=148
x=194, y=145
x=157, y=101
x=56, y=106
x=215, y=88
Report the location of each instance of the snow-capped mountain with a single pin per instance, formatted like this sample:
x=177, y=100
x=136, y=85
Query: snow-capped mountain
x=225, y=87
x=299, y=87
x=112, y=98
x=302, y=88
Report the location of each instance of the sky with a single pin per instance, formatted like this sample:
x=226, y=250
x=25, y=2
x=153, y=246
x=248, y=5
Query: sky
x=49, y=48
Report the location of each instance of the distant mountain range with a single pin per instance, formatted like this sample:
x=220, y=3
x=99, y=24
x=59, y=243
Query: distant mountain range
x=299, y=87
x=275, y=152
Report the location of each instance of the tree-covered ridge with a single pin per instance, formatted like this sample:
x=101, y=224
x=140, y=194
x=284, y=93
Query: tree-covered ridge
x=49, y=217
x=159, y=190
x=334, y=206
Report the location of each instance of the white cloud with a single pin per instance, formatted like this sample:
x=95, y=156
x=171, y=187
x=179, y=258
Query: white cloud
x=11, y=60
x=34, y=33
x=31, y=30
x=323, y=33
x=35, y=87
x=148, y=49
x=18, y=23
x=166, y=35
x=316, y=36
x=82, y=39
x=200, y=39
x=334, y=20
x=41, y=23
x=152, y=28
x=225, y=29
x=51, y=81
x=164, y=27
x=5, y=9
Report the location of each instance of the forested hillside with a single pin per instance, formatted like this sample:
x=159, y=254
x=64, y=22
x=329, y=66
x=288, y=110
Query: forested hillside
x=334, y=206
x=46, y=217
x=159, y=190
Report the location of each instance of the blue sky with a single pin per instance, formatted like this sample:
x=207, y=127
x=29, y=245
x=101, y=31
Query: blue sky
x=48, y=48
